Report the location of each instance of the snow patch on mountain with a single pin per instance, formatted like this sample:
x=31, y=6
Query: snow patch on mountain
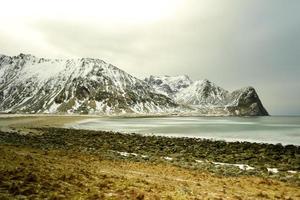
x=207, y=98
x=29, y=84
x=169, y=85
x=38, y=85
x=202, y=93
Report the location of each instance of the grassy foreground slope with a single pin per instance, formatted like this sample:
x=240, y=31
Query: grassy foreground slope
x=58, y=174
x=38, y=161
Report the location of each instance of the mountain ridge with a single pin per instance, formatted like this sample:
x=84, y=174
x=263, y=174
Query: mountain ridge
x=74, y=86
x=208, y=98
x=91, y=86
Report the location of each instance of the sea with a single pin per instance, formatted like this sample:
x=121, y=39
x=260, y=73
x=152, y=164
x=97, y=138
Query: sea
x=269, y=129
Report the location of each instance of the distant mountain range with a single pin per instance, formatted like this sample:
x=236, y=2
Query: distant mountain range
x=91, y=86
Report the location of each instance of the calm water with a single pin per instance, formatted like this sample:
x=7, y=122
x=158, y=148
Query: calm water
x=285, y=130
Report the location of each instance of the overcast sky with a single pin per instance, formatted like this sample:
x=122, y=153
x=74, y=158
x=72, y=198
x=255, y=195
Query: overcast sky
x=234, y=43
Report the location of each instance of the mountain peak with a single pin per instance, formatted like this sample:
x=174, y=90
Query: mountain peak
x=25, y=56
x=93, y=60
x=169, y=85
x=89, y=85
x=248, y=101
x=86, y=85
x=208, y=97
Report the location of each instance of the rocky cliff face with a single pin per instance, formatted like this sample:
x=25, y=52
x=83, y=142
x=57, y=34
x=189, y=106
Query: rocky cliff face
x=36, y=85
x=246, y=102
x=207, y=98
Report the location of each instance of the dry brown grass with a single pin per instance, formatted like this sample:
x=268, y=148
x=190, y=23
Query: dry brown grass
x=61, y=174
x=57, y=174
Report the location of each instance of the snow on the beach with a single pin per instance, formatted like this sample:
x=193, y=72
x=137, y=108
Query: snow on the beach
x=273, y=170
x=241, y=166
x=168, y=158
x=126, y=154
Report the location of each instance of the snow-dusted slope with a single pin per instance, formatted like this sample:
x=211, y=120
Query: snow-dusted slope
x=203, y=93
x=245, y=101
x=169, y=85
x=36, y=85
x=207, y=98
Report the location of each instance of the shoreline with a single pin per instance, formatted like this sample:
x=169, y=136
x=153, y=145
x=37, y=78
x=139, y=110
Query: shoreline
x=261, y=156
x=32, y=122
x=116, y=124
x=133, y=164
x=179, y=136
x=129, y=115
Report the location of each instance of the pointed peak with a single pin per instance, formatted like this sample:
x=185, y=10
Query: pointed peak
x=206, y=81
x=23, y=55
x=93, y=60
x=203, y=82
x=246, y=89
x=249, y=88
x=167, y=77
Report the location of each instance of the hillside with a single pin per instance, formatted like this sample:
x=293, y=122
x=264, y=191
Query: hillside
x=92, y=86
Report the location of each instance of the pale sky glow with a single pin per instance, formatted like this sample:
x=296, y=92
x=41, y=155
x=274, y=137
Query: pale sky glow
x=117, y=11
x=233, y=43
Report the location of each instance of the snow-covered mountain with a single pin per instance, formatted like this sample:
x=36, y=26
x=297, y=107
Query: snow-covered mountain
x=169, y=85
x=207, y=98
x=36, y=85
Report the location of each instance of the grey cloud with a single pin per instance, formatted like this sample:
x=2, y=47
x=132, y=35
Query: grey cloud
x=239, y=43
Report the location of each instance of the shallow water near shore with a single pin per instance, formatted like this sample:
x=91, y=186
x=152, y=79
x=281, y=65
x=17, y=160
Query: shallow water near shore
x=274, y=129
